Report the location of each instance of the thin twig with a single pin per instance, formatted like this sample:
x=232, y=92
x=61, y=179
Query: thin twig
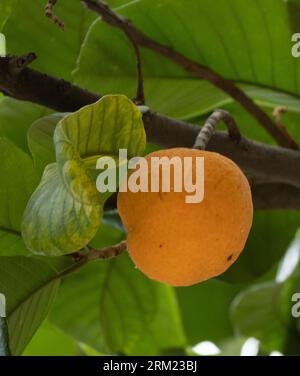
x=209, y=128
x=278, y=111
x=139, y=100
x=49, y=12
x=109, y=16
x=108, y=252
x=191, y=66
x=92, y=254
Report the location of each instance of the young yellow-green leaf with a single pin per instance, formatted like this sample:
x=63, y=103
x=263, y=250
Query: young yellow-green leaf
x=100, y=129
x=65, y=211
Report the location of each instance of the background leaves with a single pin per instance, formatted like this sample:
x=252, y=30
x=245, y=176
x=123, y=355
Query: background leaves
x=4, y=341
x=29, y=286
x=264, y=310
x=248, y=42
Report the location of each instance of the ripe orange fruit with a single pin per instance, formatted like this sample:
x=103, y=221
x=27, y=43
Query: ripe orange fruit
x=182, y=243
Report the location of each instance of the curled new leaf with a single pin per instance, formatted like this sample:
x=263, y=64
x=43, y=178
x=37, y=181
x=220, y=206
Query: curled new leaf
x=65, y=211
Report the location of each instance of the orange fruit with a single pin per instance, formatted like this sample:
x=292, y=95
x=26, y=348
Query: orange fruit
x=182, y=243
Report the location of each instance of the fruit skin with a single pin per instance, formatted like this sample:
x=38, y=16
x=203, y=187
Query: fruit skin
x=182, y=244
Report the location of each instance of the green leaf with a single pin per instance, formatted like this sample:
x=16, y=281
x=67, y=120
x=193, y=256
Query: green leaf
x=15, y=119
x=28, y=27
x=241, y=47
x=271, y=234
x=5, y=10
x=264, y=310
x=112, y=307
x=29, y=286
x=64, y=213
x=215, y=297
x=40, y=140
x=18, y=181
x=11, y=244
x=4, y=341
x=49, y=341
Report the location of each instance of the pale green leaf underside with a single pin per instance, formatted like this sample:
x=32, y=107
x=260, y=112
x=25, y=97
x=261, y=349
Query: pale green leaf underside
x=65, y=211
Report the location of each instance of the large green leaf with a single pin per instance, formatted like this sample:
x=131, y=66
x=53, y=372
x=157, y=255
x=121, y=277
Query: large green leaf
x=18, y=181
x=40, y=140
x=243, y=47
x=5, y=10
x=15, y=119
x=271, y=233
x=128, y=319
x=58, y=56
x=264, y=310
x=114, y=308
x=50, y=341
x=240, y=47
x=64, y=213
x=214, y=299
x=28, y=28
x=11, y=244
x=29, y=286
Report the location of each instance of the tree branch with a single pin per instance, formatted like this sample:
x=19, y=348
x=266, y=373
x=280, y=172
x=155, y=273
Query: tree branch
x=266, y=196
x=110, y=17
x=275, y=196
x=270, y=163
